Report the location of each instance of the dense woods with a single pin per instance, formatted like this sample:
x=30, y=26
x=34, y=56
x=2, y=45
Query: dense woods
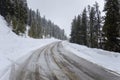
x=86, y=27
x=93, y=30
x=18, y=15
x=15, y=12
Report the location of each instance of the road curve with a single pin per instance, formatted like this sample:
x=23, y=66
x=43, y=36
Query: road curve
x=53, y=62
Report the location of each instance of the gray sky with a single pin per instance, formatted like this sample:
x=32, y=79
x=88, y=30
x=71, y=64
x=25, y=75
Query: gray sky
x=61, y=12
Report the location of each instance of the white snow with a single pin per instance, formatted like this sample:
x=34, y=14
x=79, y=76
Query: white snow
x=106, y=59
x=13, y=47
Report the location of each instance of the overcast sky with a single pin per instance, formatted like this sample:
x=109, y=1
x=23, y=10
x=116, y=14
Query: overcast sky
x=61, y=12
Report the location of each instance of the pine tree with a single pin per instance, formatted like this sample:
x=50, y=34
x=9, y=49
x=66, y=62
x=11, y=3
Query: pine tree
x=92, y=27
x=29, y=20
x=3, y=7
x=112, y=23
x=78, y=34
x=79, y=30
x=98, y=26
x=84, y=26
x=73, y=31
x=20, y=13
x=38, y=24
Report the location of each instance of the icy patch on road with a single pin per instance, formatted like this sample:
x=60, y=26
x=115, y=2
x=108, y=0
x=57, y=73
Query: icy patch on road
x=109, y=60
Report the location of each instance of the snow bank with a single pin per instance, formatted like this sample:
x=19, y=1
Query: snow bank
x=106, y=59
x=13, y=47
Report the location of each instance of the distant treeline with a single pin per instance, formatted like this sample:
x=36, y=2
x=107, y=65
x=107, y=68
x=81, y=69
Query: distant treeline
x=18, y=15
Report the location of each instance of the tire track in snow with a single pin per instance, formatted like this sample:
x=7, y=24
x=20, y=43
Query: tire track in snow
x=53, y=62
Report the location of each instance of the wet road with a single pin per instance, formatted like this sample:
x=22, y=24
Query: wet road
x=53, y=62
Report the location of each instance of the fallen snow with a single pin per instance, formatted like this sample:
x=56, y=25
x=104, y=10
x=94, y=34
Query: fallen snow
x=13, y=47
x=106, y=59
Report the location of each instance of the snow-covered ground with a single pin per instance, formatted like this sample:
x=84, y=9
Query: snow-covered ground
x=109, y=60
x=13, y=47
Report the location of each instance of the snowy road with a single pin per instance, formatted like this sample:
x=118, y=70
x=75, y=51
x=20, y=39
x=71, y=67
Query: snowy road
x=53, y=62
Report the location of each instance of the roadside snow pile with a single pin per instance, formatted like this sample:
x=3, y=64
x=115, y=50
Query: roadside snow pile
x=13, y=47
x=106, y=59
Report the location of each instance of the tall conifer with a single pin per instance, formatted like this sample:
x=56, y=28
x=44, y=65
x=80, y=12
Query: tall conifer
x=111, y=25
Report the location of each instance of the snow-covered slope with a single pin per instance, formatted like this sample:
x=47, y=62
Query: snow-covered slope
x=109, y=60
x=13, y=47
